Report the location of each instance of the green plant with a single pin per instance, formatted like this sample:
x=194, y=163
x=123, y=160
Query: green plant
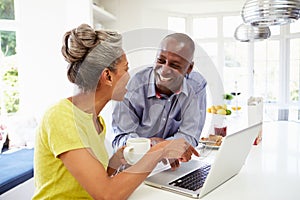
x=7, y=9
x=11, y=92
x=227, y=96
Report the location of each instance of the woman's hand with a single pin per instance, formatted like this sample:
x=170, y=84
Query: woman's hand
x=179, y=149
x=156, y=140
x=116, y=161
x=175, y=151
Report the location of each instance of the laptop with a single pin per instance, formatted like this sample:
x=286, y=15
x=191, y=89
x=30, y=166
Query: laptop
x=197, y=178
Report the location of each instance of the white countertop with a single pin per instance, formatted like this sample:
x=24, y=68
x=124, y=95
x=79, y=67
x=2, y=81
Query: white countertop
x=272, y=170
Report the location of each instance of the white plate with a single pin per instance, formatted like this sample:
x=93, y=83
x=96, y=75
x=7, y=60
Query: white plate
x=206, y=141
x=209, y=144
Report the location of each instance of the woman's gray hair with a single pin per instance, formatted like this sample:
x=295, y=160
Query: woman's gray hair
x=89, y=52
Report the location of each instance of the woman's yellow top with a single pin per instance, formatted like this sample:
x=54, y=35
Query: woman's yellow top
x=64, y=127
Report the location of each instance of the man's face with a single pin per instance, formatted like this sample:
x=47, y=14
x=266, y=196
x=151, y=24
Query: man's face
x=171, y=66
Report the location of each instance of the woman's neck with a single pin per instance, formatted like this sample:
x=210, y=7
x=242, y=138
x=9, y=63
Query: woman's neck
x=90, y=102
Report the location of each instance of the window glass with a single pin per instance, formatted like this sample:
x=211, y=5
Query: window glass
x=275, y=30
x=8, y=42
x=294, y=27
x=235, y=67
x=211, y=48
x=266, y=70
x=230, y=23
x=205, y=27
x=176, y=24
x=9, y=92
x=7, y=9
x=294, y=70
x=294, y=113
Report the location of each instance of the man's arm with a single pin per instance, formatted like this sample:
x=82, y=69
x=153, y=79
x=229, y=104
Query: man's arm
x=124, y=123
x=199, y=84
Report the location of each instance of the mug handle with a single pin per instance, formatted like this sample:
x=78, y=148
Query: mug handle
x=127, y=152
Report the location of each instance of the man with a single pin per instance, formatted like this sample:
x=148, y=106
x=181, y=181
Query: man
x=166, y=101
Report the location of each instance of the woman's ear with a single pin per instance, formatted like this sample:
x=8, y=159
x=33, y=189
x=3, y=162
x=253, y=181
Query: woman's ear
x=106, y=76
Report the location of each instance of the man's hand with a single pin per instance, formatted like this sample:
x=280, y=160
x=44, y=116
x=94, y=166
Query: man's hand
x=175, y=163
x=188, y=154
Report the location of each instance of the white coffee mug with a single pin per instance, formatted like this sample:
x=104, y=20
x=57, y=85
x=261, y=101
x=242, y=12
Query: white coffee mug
x=135, y=149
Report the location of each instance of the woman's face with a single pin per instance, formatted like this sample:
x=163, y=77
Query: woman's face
x=121, y=77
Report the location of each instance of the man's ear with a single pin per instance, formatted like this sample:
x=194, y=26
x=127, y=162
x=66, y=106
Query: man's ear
x=106, y=76
x=190, y=67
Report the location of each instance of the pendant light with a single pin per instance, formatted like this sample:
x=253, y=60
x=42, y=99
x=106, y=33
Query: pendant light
x=270, y=12
x=248, y=33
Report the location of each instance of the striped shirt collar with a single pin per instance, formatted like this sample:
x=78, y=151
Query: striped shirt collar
x=151, y=87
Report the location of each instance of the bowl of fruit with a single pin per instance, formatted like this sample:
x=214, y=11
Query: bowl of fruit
x=219, y=109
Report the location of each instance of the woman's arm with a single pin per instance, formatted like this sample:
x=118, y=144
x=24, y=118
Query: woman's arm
x=90, y=173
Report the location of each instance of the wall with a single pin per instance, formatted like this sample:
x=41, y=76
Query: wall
x=42, y=68
x=136, y=14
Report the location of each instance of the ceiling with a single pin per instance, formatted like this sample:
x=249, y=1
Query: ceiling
x=195, y=6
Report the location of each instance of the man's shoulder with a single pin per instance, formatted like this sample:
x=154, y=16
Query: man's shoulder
x=196, y=81
x=196, y=76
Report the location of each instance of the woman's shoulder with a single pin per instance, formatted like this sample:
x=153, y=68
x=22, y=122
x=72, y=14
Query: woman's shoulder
x=58, y=109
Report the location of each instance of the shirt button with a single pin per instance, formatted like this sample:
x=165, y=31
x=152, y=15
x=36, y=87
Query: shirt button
x=169, y=100
x=164, y=119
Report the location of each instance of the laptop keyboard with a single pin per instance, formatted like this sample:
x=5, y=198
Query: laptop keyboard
x=194, y=180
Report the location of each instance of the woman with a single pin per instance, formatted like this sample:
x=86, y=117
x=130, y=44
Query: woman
x=71, y=161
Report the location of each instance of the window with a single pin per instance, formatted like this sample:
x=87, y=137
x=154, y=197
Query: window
x=294, y=70
x=295, y=27
x=7, y=9
x=275, y=30
x=176, y=24
x=9, y=95
x=268, y=68
x=229, y=25
x=210, y=30
x=235, y=67
x=294, y=80
x=235, y=57
x=211, y=48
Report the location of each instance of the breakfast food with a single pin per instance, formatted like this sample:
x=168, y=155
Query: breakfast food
x=236, y=108
x=214, y=140
x=219, y=109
